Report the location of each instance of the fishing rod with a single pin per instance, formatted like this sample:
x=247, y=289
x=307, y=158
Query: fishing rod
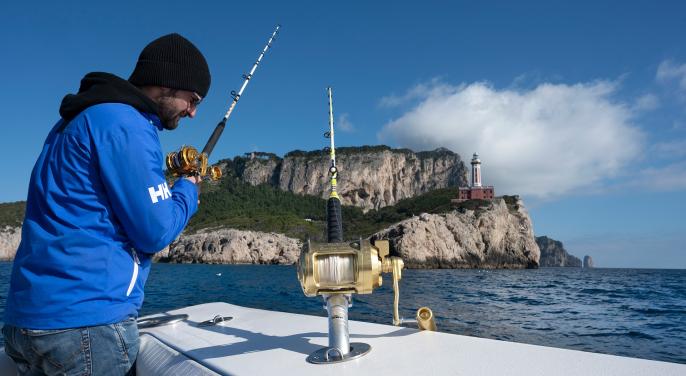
x=188, y=161
x=334, y=219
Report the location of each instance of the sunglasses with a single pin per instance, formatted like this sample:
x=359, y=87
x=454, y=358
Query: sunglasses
x=195, y=101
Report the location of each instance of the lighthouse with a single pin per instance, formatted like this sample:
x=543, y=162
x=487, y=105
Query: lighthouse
x=475, y=191
x=476, y=171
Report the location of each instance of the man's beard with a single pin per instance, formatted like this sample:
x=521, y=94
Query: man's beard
x=169, y=116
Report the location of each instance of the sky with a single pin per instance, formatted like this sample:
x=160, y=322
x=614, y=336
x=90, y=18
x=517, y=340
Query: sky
x=578, y=107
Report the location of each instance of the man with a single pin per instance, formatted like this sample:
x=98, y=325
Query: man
x=98, y=208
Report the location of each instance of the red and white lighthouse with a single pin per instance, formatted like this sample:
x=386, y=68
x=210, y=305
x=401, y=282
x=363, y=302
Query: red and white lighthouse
x=475, y=191
x=476, y=171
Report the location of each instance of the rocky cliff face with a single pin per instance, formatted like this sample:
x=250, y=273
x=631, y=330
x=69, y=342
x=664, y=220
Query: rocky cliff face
x=228, y=246
x=260, y=168
x=495, y=234
x=553, y=254
x=9, y=242
x=369, y=177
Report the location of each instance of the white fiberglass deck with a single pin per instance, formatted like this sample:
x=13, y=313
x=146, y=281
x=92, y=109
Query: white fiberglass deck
x=260, y=342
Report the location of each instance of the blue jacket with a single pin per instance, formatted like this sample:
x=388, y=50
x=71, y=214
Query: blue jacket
x=98, y=207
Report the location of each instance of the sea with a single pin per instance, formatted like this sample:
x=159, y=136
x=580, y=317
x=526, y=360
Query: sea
x=629, y=312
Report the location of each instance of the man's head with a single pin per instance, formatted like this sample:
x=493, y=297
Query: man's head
x=174, y=74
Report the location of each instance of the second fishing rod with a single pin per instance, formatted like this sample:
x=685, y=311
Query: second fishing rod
x=334, y=216
x=188, y=161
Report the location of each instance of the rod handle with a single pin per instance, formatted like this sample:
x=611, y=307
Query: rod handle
x=212, y=141
x=334, y=220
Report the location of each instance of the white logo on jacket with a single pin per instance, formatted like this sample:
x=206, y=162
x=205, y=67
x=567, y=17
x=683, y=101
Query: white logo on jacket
x=162, y=192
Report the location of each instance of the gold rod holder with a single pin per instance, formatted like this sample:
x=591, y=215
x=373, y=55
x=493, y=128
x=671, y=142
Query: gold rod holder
x=425, y=319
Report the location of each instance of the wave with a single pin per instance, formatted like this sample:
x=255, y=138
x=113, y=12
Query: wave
x=630, y=334
x=658, y=311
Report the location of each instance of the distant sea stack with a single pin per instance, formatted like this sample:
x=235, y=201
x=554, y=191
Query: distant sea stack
x=480, y=234
x=370, y=177
x=588, y=262
x=554, y=254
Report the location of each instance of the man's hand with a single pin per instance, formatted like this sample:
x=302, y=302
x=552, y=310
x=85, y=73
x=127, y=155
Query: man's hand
x=195, y=180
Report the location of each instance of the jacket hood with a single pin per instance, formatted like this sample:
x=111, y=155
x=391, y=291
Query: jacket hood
x=100, y=87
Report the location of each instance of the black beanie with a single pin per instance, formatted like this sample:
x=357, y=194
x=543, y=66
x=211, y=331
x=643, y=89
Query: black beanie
x=172, y=61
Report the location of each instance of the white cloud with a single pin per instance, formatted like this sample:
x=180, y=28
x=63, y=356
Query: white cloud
x=344, y=123
x=543, y=142
x=669, y=71
x=419, y=91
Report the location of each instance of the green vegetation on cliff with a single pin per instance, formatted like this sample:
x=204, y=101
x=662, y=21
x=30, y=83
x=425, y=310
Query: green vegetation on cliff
x=12, y=213
x=236, y=204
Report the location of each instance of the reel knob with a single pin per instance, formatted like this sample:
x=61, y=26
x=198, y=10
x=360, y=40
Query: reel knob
x=215, y=173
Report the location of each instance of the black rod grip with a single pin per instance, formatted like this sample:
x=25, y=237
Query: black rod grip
x=334, y=220
x=214, y=137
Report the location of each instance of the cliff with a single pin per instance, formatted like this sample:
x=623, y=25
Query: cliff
x=553, y=254
x=370, y=177
x=479, y=234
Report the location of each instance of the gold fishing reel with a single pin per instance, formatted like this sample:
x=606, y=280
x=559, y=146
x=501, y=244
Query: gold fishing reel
x=188, y=162
x=344, y=268
x=354, y=268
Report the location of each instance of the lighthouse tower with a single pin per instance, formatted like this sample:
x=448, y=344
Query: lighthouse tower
x=476, y=171
x=475, y=191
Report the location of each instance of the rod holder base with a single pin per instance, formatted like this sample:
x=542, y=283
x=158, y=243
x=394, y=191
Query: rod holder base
x=329, y=355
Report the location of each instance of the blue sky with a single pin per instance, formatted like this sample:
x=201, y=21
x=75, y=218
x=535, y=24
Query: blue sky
x=579, y=107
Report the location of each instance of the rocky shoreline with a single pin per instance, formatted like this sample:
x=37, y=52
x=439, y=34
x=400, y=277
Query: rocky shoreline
x=493, y=236
x=229, y=246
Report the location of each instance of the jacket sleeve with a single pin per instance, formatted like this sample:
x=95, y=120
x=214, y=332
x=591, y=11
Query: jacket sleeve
x=130, y=161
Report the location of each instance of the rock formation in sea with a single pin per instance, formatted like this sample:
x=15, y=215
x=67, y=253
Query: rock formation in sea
x=371, y=177
x=588, y=262
x=9, y=242
x=480, y=234
x=553, y=253
x=229, y=246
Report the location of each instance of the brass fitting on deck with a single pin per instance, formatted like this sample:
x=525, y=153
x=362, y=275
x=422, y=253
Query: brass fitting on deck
x=425, y=319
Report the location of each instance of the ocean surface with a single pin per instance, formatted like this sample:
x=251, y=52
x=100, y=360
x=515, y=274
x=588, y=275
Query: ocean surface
x=630, y=312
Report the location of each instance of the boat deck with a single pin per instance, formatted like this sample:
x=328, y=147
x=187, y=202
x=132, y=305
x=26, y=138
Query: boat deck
x=261, y=342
